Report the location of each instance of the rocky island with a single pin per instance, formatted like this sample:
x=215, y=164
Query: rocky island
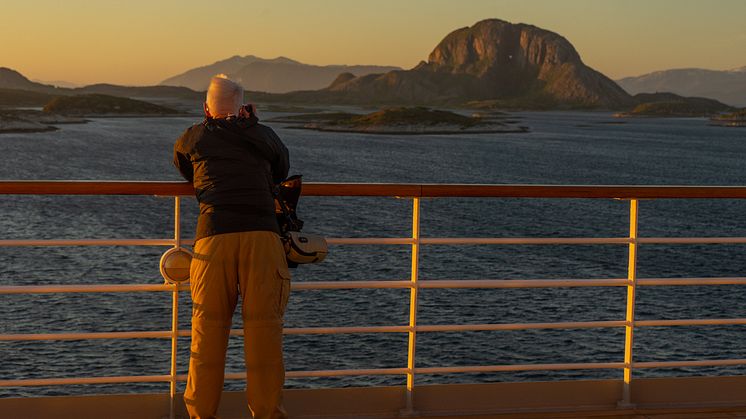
x=22, y=121
x=73, y=110
x=404, y=121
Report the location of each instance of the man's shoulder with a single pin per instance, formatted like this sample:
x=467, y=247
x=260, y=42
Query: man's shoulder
x=266, y=131
x=194, y=130
x=191, y=134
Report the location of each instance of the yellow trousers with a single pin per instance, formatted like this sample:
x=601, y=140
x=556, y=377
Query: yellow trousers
x=249, y=266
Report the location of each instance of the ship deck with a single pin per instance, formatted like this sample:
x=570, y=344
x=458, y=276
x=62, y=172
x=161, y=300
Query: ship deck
x=693, y=397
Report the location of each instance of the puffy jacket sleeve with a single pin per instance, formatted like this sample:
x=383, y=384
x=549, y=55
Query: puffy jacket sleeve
x=182, y=161
x=280, y=161
x=281, y=165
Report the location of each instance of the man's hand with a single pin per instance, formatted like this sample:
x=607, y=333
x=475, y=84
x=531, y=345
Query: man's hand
x=247, y=111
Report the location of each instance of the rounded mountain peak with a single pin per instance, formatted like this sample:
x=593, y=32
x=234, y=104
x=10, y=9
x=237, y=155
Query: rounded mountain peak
x=494, y=46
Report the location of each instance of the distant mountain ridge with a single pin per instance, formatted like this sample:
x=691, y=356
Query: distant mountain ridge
x=727, y=86
x=13, y=80
x=277, y=75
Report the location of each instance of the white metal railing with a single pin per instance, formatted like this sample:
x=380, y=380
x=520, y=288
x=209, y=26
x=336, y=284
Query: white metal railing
x=631, y=282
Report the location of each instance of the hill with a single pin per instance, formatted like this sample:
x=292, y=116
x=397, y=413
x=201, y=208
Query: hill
x=12, y=79
x=404, y=121
x=278, y=75
x=726, y=86
x=104, y=105
x=491, y=64
x=673, y=105
x=12, y=98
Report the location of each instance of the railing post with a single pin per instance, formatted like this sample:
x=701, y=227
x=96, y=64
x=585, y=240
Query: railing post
x=630, y=317
x=412, y=346
x=175, y=314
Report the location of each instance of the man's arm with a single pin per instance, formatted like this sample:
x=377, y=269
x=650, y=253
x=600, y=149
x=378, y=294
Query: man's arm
x=281, y=165
x=183, y=163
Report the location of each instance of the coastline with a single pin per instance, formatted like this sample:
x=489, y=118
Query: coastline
x=33, y=122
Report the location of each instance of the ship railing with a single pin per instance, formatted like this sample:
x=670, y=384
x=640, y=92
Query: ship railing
x=415, y=192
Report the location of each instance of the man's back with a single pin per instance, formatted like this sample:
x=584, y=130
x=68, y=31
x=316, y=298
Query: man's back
x=232, y=164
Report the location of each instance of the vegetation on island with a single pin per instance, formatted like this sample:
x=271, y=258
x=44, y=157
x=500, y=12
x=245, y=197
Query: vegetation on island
x=672, y=105
x=403, y=120
x=103, y=105
x=12, y=98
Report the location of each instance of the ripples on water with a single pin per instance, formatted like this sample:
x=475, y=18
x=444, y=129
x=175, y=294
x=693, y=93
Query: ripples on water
x=564, y=148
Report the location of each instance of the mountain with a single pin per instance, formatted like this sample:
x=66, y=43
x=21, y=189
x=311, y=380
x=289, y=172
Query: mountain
x=278, y=75
x=199, y=78
x=491, y=64
x=726, y=86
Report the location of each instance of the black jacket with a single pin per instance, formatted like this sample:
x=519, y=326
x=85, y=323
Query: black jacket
x=232, y=164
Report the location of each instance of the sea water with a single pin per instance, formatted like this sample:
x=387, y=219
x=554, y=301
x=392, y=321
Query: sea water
x=562, y=148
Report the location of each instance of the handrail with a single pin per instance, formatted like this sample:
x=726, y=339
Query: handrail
x=633, y=193
x=425, y=190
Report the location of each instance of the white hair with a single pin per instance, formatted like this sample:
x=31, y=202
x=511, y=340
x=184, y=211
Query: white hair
x=224, y=97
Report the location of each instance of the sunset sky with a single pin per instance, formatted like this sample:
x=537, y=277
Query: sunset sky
x=140, y=42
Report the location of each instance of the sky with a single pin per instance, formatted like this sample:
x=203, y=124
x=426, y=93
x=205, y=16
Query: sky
x=139, y=42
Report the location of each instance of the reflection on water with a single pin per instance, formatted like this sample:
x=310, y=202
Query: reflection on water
x=563, y=148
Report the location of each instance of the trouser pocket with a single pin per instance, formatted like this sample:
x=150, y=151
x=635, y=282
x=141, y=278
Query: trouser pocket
x=284, y=277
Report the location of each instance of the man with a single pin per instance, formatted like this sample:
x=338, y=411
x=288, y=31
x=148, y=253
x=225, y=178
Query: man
x=233, y=162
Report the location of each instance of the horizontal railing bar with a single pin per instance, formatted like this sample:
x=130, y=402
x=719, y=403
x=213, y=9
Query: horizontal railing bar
x=379, y=371
x=521, y=283
x=691, y=281
x=329, y=373
x=519, y=326
x=370, y=241
x=690, y=322
x=183, y=377
x=524, y=367
x=691, y=240
x=85, y=336
x=84, y=380
x=450, y=241
x=391, y=284
x=383, y=329
x=315, y=330
x=343, y=330
x=87, y=242
x=703, y=363
x=523, y=240
x=81, y=288
x=77, y=187
x=463, y=283
x=332, y=285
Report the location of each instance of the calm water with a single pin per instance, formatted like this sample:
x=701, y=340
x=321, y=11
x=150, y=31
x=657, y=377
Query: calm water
x=563, y=148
